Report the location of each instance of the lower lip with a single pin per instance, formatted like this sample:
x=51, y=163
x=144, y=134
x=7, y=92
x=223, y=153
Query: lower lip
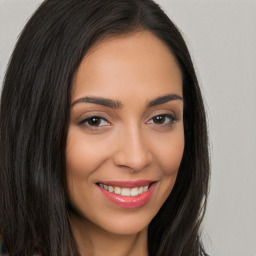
x=129, y=201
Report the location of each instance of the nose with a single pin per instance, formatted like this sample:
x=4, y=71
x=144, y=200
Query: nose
x=132, y=150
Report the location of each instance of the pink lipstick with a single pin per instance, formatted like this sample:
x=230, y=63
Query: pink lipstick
x=127, y=194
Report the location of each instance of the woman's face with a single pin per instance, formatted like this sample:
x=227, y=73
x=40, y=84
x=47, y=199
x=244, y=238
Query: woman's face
x=125, y=140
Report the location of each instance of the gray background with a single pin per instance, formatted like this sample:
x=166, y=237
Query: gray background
x=221, y=36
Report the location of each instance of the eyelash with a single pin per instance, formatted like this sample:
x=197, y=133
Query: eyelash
x=97, y=119
x=172, y=118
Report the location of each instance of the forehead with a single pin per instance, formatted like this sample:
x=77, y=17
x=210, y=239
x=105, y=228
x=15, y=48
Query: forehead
x=138, y=61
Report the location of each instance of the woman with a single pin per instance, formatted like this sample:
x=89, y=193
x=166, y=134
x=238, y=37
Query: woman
x=103, y=134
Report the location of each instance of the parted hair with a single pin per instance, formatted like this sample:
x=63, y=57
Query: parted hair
x=34, y=118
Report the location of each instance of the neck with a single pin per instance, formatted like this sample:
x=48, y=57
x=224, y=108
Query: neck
x=92, y=240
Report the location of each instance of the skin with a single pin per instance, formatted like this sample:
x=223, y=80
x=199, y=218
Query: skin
x=128, y=144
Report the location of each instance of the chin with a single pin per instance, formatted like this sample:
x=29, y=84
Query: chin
x=128, y=228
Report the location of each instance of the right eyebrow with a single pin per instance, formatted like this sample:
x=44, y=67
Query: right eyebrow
x=116, y=104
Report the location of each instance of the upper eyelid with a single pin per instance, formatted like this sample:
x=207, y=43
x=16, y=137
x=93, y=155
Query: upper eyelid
x=172, y=116
x=91, y=127
x=98, y=116
x=163, y=113
x=84, y=116
x=85, y=119
x=160, y=110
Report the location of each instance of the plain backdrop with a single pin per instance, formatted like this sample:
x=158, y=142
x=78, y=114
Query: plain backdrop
x=221, y=35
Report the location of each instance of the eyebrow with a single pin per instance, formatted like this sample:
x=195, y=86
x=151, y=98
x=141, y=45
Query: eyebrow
x=116, y=104
x=164, y=99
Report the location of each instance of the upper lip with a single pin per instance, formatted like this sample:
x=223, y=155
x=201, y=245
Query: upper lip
x=127, y=184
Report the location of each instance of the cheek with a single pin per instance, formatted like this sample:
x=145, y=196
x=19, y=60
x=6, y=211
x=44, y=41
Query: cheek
x=83, y=154
x=170, y=153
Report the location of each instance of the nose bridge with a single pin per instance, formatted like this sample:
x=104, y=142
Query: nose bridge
x=133, y=151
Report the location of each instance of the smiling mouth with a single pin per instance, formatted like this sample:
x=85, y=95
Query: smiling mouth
x=135, y=191
x=128, y=194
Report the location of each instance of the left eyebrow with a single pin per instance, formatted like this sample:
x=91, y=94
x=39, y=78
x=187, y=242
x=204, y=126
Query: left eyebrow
x=163, y=99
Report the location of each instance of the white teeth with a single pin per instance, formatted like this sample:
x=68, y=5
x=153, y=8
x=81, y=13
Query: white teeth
x=117, y=190
x=134, y=191
x=145, y=188
x=140, y=190
x=125, y=191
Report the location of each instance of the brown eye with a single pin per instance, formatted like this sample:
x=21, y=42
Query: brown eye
x=94, y=121
x=162, y=120
x=159, y=119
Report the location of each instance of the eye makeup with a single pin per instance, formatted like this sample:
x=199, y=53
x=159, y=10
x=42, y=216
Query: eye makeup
x=97, y=122
x=163, y=119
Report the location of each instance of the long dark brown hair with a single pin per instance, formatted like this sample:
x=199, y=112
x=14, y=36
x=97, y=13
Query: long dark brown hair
x=34, y=118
